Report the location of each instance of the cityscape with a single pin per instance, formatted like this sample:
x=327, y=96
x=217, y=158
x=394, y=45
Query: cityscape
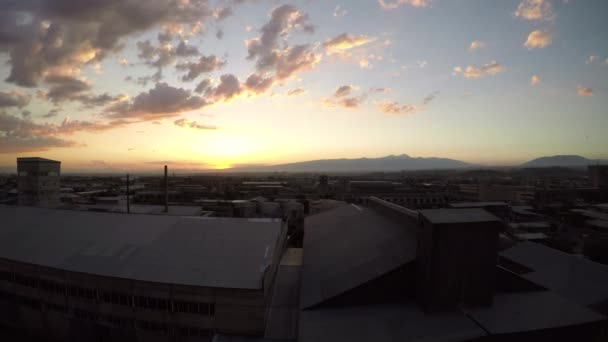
x=258, y=171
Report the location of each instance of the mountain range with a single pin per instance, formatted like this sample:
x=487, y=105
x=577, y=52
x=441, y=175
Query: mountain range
x=388, y=163
x=564, y=161
x=405, y=162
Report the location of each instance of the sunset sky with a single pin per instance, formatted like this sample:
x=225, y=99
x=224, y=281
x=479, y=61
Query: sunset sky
x=132, y=85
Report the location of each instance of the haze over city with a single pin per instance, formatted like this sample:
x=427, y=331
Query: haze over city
x=133, y=85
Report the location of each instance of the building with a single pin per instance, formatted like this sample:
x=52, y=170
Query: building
x=38, y=181
x=368, y=274
x=79, y=276
x=598, y=175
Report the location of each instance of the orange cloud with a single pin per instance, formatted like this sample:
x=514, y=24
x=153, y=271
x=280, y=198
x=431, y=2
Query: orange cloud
x=538, y=39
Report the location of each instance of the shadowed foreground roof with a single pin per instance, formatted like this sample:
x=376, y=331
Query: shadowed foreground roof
x=199, y=251
x=349, y=246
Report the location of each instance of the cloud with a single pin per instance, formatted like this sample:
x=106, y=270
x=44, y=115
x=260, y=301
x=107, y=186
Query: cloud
x=68, y=88
x=392, y=107
x=476, y=45
x=229, y=87
x=606, y=61
x=473, y=72
x=583, y=91
x=344, y=90
x=339, y=12
x=203, y=65
x=71, y=33
x=258, y=84
x=538, y=39
x=296, y=92
x=161, y=101
x=535, y=10
x=392, y=4
x=275, y=60
x=223, y=12
x=534, y=80
x=592, y=59
x=430, y=98
x=185, y=50
x=51, y=114
x=14, y=99
x=342, y=97
x=344, y=42
x=25, y=135
x=192, y=124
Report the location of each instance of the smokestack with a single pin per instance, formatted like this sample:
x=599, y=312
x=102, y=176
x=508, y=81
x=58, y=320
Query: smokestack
x=128, y=204
x=166, y=191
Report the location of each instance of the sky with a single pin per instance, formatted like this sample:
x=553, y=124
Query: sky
x=119, y=85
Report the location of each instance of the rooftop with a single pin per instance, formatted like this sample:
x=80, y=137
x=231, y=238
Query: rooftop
x=198, y=251
x=36, y=159
x=348, y=246
x=477, y=204
x=443, y=216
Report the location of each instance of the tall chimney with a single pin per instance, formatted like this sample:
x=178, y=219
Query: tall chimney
x=166, y=191
x=128, y=201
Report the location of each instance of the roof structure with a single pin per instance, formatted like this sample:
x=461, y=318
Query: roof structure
x=577, y=279
x=448, y=216
x=198, y=251
x=385, y=322
x=477, y=204
x=36, y=159
x=349, y=246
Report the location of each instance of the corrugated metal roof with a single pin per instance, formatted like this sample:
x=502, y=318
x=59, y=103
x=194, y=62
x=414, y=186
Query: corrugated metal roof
x=349, y=246
x=200, y=251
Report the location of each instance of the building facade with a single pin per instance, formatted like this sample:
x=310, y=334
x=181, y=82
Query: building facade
x=38, y=181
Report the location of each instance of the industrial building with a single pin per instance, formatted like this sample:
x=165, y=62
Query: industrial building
x=79, y=276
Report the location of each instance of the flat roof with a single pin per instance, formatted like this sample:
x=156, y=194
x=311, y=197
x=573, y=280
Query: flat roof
x=36, y=159
x=477, y=204
x=385, y=322
x=445, y=216
x=348, y=246
x=528, y=311
x=197, y=251
x=575, y=278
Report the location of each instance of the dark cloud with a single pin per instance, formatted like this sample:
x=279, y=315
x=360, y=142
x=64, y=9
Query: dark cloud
x=185, y=50
x=51, y=114
x=14, y=99
x=25, y=135
x=26, y=114
x=219, y=34
x=274, y=59
x=67, y=88
x=161, y=101
x=344, y=97
x=70, y=33
x=192, y=124
x=203, y=65
x=295, y=92
x=203, y=86
x=258, y=84
x=429, y=98
x=228, y=88
x=343, y=91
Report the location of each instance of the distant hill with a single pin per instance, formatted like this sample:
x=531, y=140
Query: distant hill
x=563, y=160
x=388, y=163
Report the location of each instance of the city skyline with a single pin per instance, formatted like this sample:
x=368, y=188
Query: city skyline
x=211, y=85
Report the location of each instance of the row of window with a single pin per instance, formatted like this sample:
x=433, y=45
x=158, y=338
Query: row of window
x=119, y=298
x=117, y=321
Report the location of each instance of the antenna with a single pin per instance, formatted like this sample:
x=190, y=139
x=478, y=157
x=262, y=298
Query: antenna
x=128, y=204
x=166, y=191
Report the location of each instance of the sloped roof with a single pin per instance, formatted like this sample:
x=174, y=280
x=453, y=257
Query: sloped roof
x=349, y=246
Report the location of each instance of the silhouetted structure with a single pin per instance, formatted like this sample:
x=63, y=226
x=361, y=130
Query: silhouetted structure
x=38, y=181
